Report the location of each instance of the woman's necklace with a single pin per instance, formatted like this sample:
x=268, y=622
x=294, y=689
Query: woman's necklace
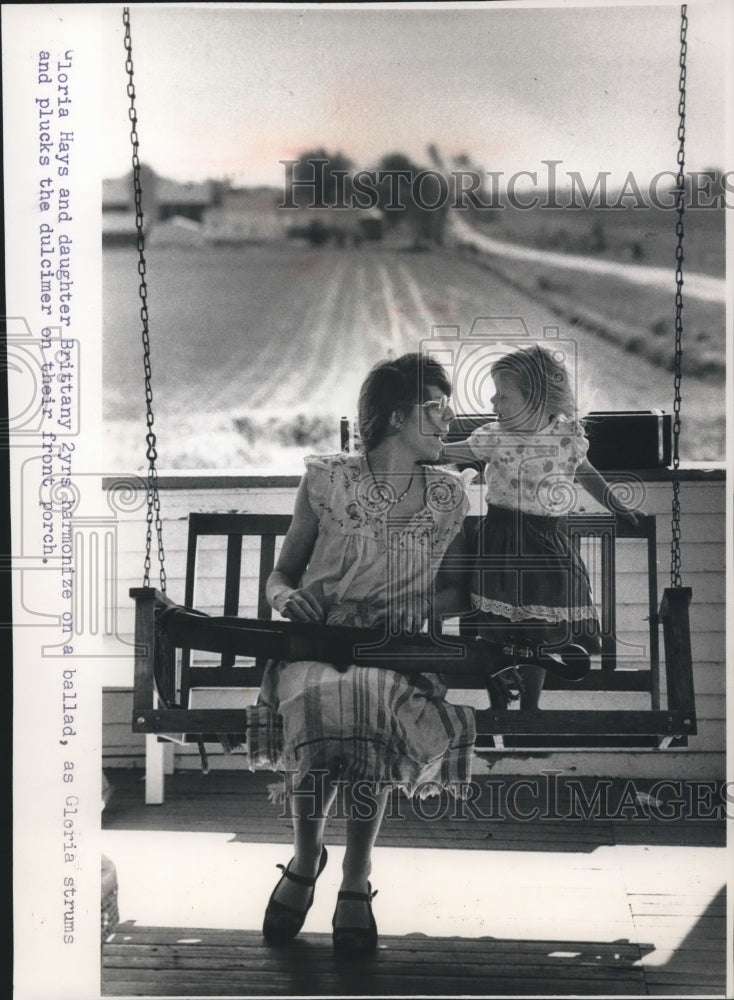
x=385, y=492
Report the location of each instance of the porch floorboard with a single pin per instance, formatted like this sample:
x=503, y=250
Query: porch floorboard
x=474, y=905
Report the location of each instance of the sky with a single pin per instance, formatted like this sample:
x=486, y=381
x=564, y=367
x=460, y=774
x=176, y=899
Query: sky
x=230, y=91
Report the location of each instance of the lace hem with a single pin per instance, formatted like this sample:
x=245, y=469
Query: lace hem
x=528, y=611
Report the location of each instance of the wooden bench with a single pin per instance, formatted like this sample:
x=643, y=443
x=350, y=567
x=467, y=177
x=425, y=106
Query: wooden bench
x=199, y=698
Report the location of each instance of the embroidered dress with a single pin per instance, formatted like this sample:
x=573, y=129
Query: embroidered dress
x=368, y=570
x=530, y=584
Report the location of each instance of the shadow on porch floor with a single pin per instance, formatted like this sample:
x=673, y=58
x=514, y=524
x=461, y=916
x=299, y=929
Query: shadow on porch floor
x=488, y=904
x=229, y=963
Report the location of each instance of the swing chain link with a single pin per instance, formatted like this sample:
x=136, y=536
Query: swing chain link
x=153, y=515
x=675, y=559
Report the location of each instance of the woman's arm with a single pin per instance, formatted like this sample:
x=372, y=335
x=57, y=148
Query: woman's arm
x=596, y=485
x=289, y=600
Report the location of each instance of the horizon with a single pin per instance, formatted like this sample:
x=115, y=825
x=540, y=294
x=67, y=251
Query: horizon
x=227, y=92
x=630, y=187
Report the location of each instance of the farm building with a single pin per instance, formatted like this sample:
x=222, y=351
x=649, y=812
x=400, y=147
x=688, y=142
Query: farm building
x=246, y=215
x=162, y=200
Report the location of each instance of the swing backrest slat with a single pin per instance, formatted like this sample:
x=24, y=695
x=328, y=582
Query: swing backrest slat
x=602, y=726
x=271, y=527
x=235, y=528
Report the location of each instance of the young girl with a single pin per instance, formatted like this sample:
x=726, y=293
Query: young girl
x=529, y=584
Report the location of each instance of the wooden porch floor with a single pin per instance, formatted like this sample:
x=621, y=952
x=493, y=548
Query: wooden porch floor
x=472, y=902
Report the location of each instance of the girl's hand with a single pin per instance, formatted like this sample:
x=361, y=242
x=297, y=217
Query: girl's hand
x=627, y=514
x=298, y=605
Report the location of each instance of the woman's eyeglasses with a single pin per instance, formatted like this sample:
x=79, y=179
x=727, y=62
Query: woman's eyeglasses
x=440, y=406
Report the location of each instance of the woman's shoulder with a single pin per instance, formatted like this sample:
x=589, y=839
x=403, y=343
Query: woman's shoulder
x=442, y=472
x=331, y=479
x=340, y=462
x=445, y=489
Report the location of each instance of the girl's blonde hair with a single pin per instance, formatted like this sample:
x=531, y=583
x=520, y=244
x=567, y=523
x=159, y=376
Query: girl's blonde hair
x=544, y=378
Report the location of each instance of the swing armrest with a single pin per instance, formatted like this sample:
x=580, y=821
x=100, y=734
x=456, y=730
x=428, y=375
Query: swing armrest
x=148, y=601
x=678, y=660
x=142, y=595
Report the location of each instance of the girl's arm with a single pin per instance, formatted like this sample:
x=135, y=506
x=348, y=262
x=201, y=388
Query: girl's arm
x=289, y=600
x=596, y=485
x=458, y=451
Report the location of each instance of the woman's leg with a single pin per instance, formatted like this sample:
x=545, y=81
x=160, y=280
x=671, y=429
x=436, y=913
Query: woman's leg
x=365, y=813
x=310, y=804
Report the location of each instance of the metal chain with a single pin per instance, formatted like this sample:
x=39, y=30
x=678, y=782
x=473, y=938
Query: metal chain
x=154, y=505
x=675, y=561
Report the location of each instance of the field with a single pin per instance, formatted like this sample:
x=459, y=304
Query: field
x=645, y=236
x=258, y=350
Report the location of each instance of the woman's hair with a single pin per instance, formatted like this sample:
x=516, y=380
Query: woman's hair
x=396, y=384
x=544, y=378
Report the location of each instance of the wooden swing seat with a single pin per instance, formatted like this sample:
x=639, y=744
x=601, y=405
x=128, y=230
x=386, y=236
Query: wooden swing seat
x=172, y=713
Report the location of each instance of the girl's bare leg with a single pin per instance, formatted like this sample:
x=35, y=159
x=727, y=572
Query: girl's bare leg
x=533, y=679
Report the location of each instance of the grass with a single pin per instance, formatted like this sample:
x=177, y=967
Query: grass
x=639, y=236
x=641, y=320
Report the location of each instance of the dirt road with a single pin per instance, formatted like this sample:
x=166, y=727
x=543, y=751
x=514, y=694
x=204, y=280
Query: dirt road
x=699, y=286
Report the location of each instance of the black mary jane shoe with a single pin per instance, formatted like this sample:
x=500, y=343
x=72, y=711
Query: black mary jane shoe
x=355, y=942
x=282, y=923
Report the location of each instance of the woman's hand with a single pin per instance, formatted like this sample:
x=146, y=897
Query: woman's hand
x=298, y=605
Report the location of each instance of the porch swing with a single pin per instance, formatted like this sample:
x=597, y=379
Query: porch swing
x=166, y=683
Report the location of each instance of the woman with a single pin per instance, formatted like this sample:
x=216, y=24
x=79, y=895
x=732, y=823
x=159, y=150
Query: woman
x=367, y=537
